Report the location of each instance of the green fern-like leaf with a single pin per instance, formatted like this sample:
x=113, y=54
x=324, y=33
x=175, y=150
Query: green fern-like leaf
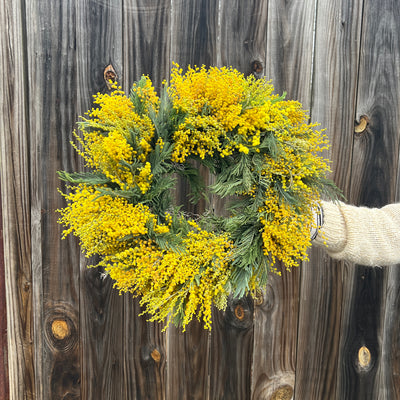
x=90, y=178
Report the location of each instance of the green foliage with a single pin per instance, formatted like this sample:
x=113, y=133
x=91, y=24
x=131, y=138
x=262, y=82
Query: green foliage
x=90, y=178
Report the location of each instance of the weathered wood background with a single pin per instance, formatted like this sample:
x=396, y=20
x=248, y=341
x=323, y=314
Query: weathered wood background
x=325, y=331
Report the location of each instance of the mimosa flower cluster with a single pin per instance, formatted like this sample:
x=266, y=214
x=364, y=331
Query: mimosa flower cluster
x=263, y=153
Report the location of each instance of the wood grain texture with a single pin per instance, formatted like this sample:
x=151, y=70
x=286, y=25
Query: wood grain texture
x=290, y=38
x=275, y=336
x=376, y=156
x=145, y=47
x=188, y=363
x=319, y=328
x=99, y=43
x=243, y=34
x=387, y=384
x=361, y=327
x=55, y=272
x=145, y=369
x=333, y=101
x=232, y=351
x=102, y=344
x=146, y=40
x=334, y=86
x=373, y=183
x=4, y=385
x=193, y=42
x=101, y=308
x=14, y=172
x=194, y=32
x=288, y=62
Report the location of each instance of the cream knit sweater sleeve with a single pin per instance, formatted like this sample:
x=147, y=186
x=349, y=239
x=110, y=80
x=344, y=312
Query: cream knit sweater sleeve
x=366, y=236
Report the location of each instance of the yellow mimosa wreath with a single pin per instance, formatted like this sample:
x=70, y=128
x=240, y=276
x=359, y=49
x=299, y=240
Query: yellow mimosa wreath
x=263, y=154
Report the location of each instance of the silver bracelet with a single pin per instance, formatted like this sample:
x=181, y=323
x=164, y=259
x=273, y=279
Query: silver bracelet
x=319, y=220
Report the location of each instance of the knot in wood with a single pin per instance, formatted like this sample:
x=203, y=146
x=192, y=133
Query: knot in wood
x=150, y=353
x=364, y=357
x=361, y=126
x=156, y=355
x=110, y=76
x=256, y=67
x=258, y=298
x=283, y=393
x=239, y=312
x=60, y=329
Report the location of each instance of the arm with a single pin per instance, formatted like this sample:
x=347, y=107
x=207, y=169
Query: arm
x=367, y=236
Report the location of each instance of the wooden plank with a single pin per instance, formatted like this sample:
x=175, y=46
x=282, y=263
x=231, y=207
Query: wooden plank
x=376, y=158
x=99, y=43
x=373, y=181
x=4, y=385
x=102, y=334
x=146, y=41
x=50, y=53
x=334, y=85
x=388, y=373
x=242, y=31
x=360, y=333
x=188, y=357
x=145, y=371
x=275, y=335
x=288, y=62
x=14, y=172
x=319, y=323
x=243, y=34
x=338, y=30
x=289, y=57
x=193, y=30
x=232, y=345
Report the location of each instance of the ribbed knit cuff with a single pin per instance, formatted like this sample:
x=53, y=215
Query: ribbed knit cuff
x=332, y=235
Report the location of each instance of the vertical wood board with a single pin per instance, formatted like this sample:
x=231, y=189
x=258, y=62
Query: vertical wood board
x=288, y=63
x=242, y=35
x=98, y=44
x=232, y=351
x=50, y=51
x=193, y=33
x=4, y=384
x=333, y=99
x=145, y=51
x=373, y=183
x=14, y=172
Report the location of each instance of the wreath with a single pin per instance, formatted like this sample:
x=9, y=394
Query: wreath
x=263, y=155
